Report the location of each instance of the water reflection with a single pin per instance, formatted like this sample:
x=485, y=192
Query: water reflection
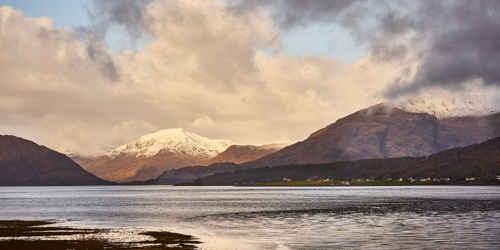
x=278, y=218
x=419, y=223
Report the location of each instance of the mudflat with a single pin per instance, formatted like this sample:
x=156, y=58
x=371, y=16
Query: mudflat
x=18, y=234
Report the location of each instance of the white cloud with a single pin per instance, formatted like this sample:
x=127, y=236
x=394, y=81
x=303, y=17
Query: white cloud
x=203, y=70
x=131, y=129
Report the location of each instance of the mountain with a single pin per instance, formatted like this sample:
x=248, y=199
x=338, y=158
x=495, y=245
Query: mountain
x=481, y=161
x=382, y=131
x=23, y=162
x=152, y=154
x=445, y=107
x=244, y=153
x=378, y=132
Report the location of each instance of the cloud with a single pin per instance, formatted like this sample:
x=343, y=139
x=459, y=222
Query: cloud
x=207, y=67
x=452, y=43
x=131, y=129
x=101, y=58
x=204, y=123
x=50, y=84
x=291, y=13
x=128, y=14
x=462, y=50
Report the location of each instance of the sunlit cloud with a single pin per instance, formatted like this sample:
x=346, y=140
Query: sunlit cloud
x=217, y=68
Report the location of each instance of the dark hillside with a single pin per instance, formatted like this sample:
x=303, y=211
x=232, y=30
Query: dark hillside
x=24, y=163
x=479, y=160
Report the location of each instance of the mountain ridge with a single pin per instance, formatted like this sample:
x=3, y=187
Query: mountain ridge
x=23, y=162
x=383, y=131
x=481, y=161
x=380, y=131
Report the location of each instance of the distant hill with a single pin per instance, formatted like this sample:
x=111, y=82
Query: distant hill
x=244, y=153
x=479, y=160
x=185, y=174
x=382, y=131
x=152, y=154
x=24, y=162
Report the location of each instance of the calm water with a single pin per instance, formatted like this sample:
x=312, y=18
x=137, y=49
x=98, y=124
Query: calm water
x=440, y=217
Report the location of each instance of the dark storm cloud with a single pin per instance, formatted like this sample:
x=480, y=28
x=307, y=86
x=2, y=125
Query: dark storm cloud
x=104, y=14
x=126, y=13
x=458, y=41
x=290, y=13
x=100, y=57
x=464, y=46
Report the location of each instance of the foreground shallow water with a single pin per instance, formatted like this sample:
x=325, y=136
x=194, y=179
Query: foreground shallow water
x=432, y=217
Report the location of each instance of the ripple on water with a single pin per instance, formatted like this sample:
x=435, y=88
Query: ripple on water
x=276, y=218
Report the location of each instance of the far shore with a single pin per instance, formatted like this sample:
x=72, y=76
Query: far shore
x=319, y=183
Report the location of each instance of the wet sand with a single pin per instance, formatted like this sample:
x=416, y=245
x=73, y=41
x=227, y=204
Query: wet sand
x=17, y=234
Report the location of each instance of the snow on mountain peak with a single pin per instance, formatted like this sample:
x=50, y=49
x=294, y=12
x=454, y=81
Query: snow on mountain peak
x=177, y=141
x=443, y=107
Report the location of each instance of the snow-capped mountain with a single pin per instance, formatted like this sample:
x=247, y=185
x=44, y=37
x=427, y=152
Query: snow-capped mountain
x=152, y=154
x=382, y=131
x=176, y=141
x=444, y=107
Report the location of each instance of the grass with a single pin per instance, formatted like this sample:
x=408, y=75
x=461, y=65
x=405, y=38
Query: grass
x=20, y=235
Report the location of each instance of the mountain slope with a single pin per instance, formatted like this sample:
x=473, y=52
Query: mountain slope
x=244, y=153
x=479, y=160
x=23, y=162
x=376, y=132
x=382, y=131
x=463, y=131
x=152, y=154
x=186, y=174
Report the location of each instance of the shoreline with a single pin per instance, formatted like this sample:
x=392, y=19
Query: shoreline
x=45, y=234
x=364, y=183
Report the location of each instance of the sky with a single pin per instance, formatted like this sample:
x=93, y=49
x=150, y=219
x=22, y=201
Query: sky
x=83, y=76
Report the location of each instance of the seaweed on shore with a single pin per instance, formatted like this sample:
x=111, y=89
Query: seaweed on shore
x=18, y=234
